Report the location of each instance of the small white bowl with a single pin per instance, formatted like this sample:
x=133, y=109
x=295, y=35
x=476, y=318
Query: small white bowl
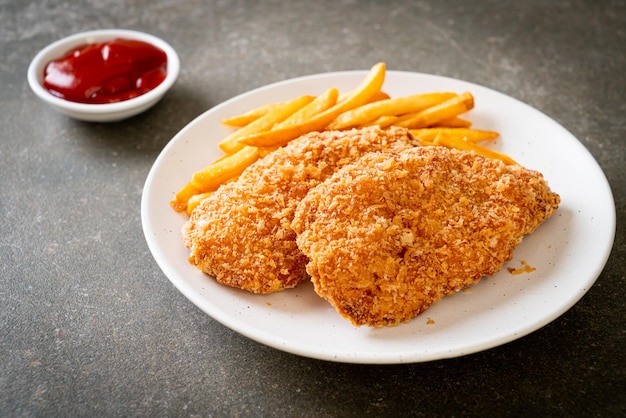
x=107, y=112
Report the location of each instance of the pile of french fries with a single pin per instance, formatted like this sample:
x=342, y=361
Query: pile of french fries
x=432, y=118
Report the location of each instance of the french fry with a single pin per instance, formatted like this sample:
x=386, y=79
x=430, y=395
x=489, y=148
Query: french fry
x=379, y=95
x=461, y=144
x=318, y=105
x=389, y=107
x=244, y=119
x=384, y=121
x=455, y=122
x=211, y=177
x=231, y=143
x=266, y=150
x=195, y=200
x=368, y=88
x=309, y=111
x=472, y=135
x=443, y=111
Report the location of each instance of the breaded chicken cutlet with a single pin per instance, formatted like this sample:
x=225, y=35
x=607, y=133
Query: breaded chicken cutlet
x=388, y=236
x=241, y=234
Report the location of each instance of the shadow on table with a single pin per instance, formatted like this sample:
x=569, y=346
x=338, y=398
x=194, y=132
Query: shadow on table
x=146, y=133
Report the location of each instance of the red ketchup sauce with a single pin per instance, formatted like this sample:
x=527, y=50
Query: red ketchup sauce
x=106, y=72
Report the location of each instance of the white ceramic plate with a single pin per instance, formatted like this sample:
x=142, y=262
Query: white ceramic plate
x=569, y=251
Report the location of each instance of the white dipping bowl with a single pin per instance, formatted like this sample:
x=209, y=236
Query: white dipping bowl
x=108, y=112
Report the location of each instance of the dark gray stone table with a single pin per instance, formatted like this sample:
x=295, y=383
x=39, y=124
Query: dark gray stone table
x=90, y=326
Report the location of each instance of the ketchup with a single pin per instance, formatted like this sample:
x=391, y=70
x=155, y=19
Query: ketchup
x=106, y=72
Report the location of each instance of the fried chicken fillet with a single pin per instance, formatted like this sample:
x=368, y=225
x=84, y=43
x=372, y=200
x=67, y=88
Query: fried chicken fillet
x=241, y=234
x=388, y=236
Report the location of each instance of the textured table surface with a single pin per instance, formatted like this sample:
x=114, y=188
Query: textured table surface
x=90, y=326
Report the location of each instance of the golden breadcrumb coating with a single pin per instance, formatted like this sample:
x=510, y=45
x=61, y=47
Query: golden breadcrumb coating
x=241, y=234
x=391, y=234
